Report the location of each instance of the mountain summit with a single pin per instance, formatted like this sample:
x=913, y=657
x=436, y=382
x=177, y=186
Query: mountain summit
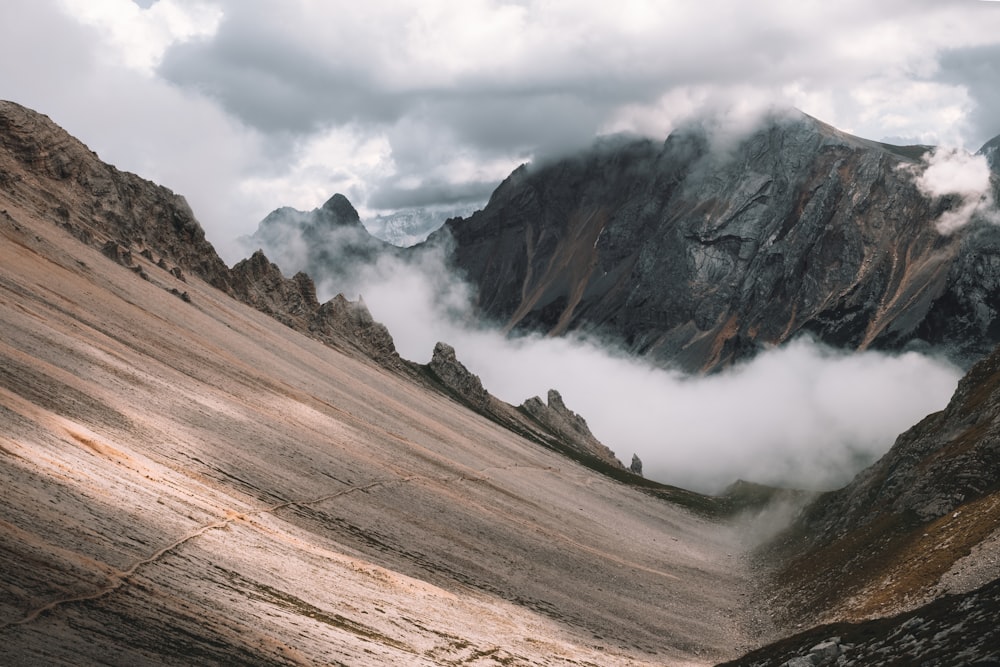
x=697, y=253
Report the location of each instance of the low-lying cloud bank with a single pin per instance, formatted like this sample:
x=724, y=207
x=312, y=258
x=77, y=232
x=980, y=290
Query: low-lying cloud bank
x=802, y=415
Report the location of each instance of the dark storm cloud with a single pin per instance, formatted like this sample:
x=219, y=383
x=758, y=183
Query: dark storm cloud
x=271, y=81
x=978, y=69
x=430, y=193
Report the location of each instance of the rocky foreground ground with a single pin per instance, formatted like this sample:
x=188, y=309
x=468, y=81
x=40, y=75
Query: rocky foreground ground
x=189, y=480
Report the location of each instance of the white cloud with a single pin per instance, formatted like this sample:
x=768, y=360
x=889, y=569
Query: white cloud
x=952, y=172
x=139, y=37
x=801, y=415
x=252, y=90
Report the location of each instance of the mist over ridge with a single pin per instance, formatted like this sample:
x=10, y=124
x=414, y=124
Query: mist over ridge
x=801, y=415
x=798, y=411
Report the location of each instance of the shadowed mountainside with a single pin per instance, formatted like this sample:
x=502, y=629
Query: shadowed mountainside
x=697, y=255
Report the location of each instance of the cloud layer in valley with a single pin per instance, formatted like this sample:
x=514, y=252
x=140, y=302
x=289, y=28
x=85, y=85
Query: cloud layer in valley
x=800, y=415
x=247, y=105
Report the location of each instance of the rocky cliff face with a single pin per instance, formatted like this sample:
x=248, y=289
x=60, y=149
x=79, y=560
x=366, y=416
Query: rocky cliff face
x=696, y=256
x=46, y=171
x=344, y=324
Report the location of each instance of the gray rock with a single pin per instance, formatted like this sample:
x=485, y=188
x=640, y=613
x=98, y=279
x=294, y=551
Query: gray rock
x=456, y=377
x=826, y=653
x=568, y=427
x=800, y=661
x=697, y=260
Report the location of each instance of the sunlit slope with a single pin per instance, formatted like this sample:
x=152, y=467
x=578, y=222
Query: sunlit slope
x=188, y=480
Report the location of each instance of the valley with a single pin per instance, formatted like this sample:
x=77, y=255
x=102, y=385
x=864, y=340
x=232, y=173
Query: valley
x=206, y=465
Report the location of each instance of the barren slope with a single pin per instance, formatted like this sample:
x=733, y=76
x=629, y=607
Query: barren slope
x=192, y=481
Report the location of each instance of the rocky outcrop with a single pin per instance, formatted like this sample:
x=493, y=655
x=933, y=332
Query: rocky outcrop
x=353, y=321
x=550, y=424
x=636, y=465
x=565, y=424
x=46, y=171
x=697, y=256
x=455, y=377
x=341, y=323
x=957, y=631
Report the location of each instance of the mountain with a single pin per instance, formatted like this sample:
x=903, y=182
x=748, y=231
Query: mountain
x=328, y=242
x=904, y=528
x=901, y=566
x=696, y=254
x=204, y=465
x=408, y=227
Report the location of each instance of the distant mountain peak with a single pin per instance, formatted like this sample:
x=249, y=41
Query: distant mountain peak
x=340, y=211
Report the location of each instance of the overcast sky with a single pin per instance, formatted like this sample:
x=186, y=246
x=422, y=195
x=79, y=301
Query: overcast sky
x=246, y=105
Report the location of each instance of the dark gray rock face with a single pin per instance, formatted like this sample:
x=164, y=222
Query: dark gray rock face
x=697, y=258
x=955, y=631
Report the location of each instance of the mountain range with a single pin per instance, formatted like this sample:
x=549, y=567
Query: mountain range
x=207, y=465
x=697, y=256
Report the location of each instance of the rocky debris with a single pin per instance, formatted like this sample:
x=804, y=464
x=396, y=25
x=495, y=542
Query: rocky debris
x=696, y=259
x=53, y=174
x=636, y=465
x=115, y=252
x=465, y=385
x=568, y=426
x=824, y=654
x=954, y=631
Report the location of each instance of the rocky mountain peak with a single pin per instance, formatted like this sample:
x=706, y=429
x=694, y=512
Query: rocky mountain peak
x=705, y=249
x=328, y=243
x=340, y=211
